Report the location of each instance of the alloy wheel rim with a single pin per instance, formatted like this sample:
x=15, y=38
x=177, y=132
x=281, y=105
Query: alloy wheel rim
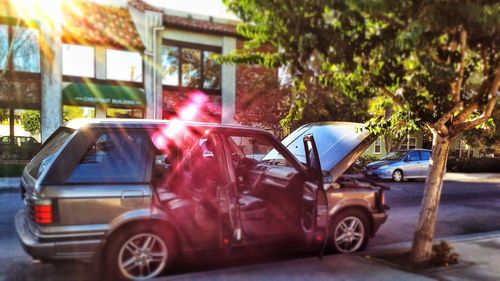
x=349, y=234
x=142, y=257
x=398, y=176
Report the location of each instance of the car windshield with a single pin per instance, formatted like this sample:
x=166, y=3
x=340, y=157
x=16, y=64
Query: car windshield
x=397, y=155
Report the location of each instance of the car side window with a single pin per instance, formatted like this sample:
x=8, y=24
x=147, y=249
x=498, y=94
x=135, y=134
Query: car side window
x=413, y=156
x=113, y=157
x=257, y=149
x=425, y=155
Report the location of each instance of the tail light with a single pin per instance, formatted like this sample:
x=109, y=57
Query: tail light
x=42, y=211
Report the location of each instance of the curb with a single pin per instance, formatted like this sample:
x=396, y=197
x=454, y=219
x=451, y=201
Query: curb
x=404, y=246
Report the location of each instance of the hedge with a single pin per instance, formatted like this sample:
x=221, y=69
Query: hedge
x=473, y=165
x=11, y=169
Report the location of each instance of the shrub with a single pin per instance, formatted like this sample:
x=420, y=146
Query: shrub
x=443, y=254
x=11, y=170
x=360, y=163
x=473, y=165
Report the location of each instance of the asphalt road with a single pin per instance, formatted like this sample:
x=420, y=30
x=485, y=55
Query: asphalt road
x=466, y=208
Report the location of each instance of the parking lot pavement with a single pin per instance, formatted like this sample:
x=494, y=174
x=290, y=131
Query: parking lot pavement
x=466, y=208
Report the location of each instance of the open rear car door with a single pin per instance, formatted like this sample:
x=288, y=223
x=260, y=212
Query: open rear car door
x=229, y=217
x=314, y=219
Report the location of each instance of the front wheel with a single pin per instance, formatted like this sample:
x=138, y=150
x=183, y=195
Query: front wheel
x=349, y=232
x=397, y=176
x=139, y=253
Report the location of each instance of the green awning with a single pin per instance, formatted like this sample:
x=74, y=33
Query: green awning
x=92, y=94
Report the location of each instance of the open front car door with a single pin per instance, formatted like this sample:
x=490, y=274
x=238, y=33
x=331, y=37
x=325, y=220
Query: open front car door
x=314, y=220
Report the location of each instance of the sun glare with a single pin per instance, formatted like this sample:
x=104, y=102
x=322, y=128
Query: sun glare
x=39, y=10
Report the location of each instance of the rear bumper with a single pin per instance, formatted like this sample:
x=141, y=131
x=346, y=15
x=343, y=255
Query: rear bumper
x=378, y=220
x=54, y=250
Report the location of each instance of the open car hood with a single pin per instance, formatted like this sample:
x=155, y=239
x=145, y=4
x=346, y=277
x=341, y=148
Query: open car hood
x=339, y=145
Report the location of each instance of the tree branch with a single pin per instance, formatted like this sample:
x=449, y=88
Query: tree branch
x=465, y=112
x=393, y=97
x=490, y=105
x=484, y=58
x=461, y=66
x=439, y=125
x=389, y=20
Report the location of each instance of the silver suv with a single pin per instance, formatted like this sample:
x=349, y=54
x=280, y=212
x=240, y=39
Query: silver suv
x=135, y=196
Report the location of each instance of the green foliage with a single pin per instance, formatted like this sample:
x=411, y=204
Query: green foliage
x=30, y=121
x=11, y=170
x=488, y=133
x=72, y=112
x=473, y=165
x=361, y=162
x=4, y=115
x=361, y=48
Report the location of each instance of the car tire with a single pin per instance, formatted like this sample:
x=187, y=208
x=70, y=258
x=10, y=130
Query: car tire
x=139, y=252
x=349, y=232
x=397, y=176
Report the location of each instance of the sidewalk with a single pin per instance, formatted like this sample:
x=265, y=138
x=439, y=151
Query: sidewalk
x=479, y=260
x=473, y=177
x=9, y=183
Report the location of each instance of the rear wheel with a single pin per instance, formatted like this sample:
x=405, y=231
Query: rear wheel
x=139, y=253
x=349, y=231
x=397, y=176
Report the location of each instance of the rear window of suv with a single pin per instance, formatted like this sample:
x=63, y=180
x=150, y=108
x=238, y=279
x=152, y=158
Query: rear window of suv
x=48, y=151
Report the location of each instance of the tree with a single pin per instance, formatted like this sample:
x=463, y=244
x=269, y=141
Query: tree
x=30, y=119
x=267, y=102
x=437, y=61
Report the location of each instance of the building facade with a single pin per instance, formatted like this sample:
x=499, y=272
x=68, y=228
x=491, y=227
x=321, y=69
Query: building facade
x=125, y=59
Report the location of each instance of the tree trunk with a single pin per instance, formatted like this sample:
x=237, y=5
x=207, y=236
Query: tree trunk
x=422, y=242
x=387, y=139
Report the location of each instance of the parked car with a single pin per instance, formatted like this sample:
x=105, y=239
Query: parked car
x=17, y=147
x=135, y=196
x=399, y=165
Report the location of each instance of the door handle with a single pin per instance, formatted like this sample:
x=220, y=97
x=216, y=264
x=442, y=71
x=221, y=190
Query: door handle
x=132, y=198
x=127, y=194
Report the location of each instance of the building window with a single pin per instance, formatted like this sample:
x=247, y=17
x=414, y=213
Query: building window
x=4, y=45
x=78, y=60
x=19, y=49
x=190, y=66
x=25, y=50
x=170, y=65
x=134, y=113
x=409, y=143
x=123, y=65
x=378, y=146
x=19, y=133
x=71, y=112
